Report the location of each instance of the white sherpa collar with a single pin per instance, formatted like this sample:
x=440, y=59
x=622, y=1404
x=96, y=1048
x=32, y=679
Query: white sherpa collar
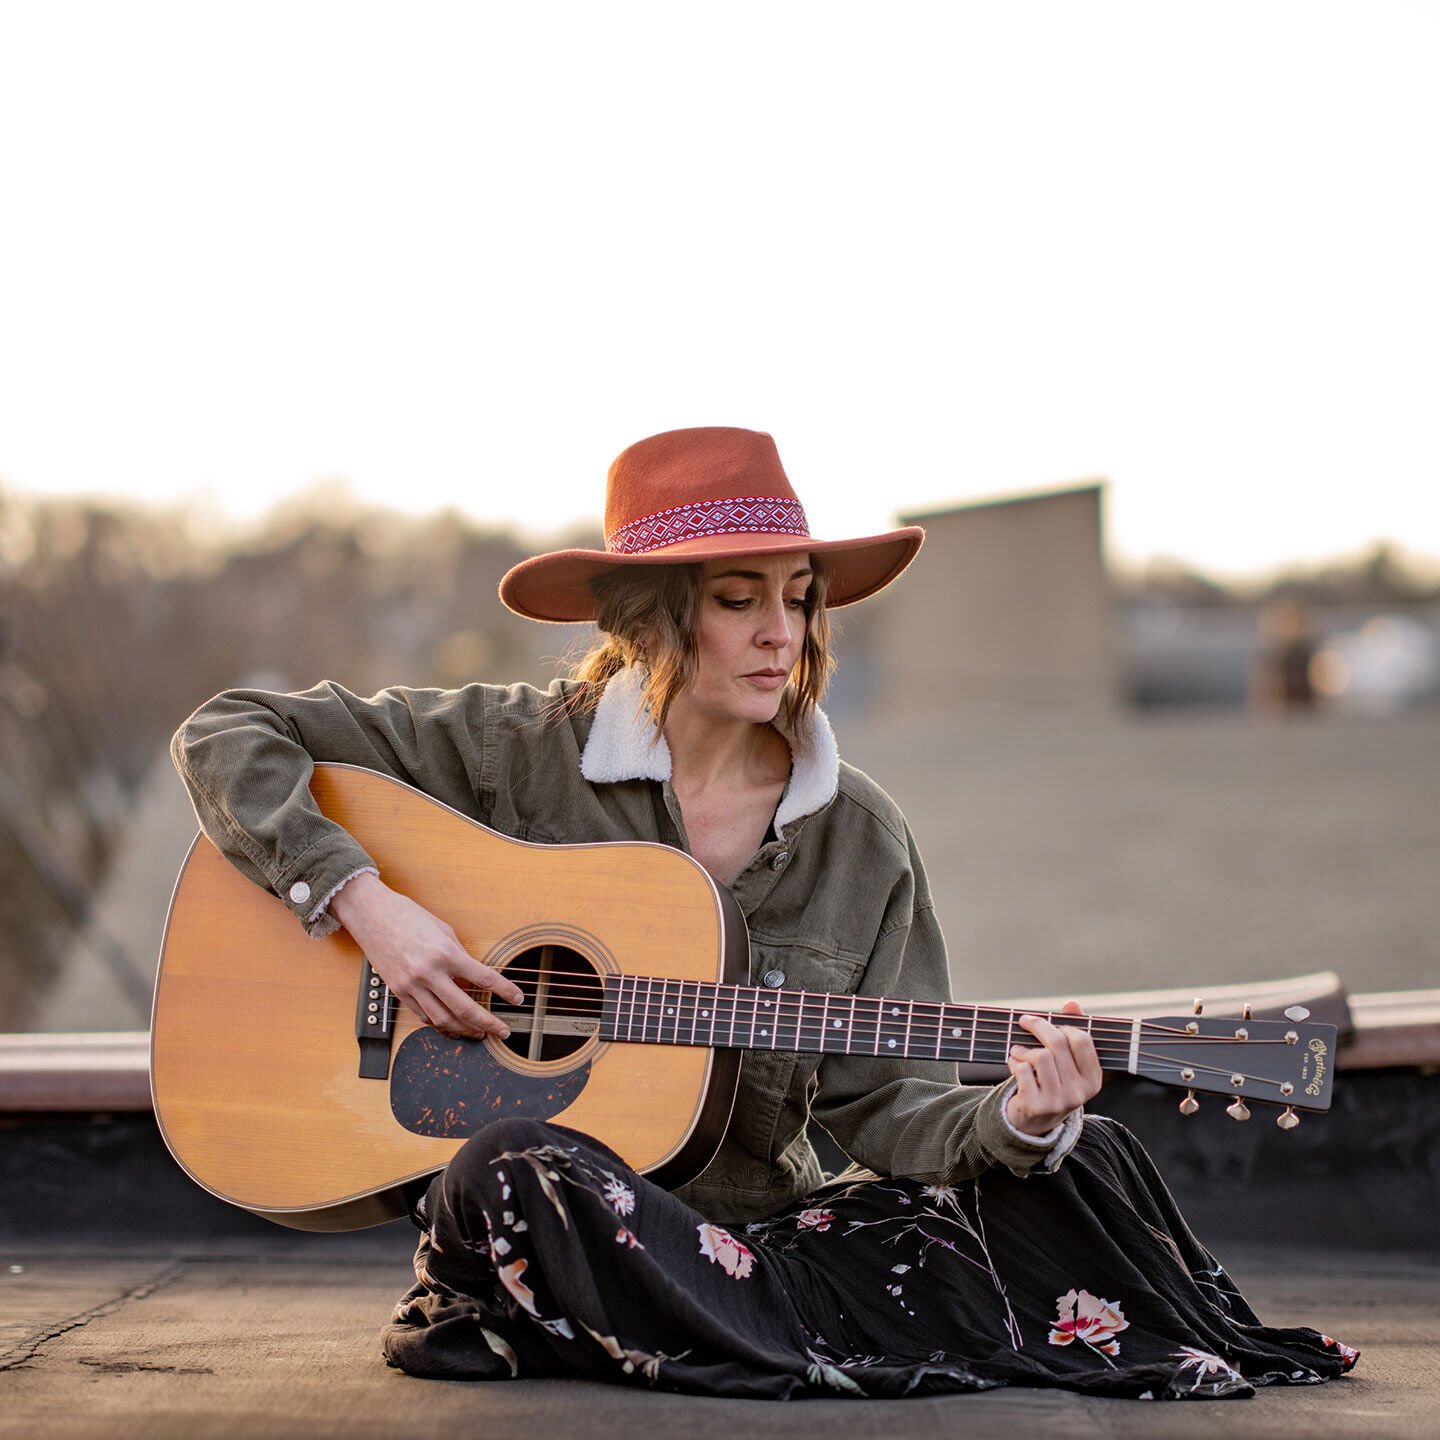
x=624, y=745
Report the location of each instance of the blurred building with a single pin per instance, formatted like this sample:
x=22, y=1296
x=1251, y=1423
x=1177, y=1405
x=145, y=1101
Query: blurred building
x=1009, y=604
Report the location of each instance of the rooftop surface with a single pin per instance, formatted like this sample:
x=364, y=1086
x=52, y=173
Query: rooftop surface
x=283, y=1342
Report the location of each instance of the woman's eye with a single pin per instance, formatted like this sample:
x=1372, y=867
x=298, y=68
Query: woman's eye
x=730, y=604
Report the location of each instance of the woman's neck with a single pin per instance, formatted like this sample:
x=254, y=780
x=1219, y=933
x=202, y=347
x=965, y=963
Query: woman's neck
x=728, y=778
x=708, y=752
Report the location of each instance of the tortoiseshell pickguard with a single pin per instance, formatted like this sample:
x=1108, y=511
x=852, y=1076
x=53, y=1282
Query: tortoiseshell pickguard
x=448, y=1089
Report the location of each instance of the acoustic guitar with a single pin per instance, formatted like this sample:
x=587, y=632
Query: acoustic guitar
x=287, y=1081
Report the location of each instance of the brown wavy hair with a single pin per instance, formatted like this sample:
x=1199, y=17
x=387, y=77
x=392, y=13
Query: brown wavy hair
x=649, y=616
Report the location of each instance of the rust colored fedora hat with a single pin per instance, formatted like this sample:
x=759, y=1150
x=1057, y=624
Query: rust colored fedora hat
x=694, y=495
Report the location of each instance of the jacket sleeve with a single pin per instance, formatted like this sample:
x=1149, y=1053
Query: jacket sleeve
x=919, y=1122
x=247, y=756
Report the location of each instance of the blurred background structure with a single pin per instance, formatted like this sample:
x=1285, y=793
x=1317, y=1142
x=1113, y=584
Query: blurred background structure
x=1118, y=780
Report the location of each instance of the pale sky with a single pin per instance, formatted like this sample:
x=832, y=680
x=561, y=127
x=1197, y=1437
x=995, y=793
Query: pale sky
x=461, y=254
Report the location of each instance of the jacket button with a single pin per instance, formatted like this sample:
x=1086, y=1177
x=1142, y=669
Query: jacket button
x=773, y=978
x=299, y=892
x=780, y=860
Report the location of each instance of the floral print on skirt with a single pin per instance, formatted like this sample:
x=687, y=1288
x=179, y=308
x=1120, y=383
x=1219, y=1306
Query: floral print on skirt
x=544, y=1254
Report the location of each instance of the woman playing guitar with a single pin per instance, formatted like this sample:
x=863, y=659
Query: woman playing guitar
x=995, y=1235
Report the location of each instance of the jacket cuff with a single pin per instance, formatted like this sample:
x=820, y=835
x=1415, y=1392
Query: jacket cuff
x=308, y=886
x=320, y=922
x=1024, y=1154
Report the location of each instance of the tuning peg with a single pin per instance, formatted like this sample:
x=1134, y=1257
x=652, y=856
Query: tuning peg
x=1238, y=1110
x=1297, y=1013
x=1287, y=1119
x=1189, y=1105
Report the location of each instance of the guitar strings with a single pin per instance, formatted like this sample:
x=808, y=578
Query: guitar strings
x=992, y=1046
x=590, y=991
x=992, y=1041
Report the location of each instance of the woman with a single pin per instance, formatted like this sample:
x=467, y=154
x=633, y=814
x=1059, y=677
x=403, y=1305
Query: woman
x=968, y=1255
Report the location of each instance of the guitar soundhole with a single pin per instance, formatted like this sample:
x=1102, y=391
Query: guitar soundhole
x=563, y=1001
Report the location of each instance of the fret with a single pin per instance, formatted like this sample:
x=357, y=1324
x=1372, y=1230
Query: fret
x=647, y=1023
x=709, y=1012
x=705, y=1014
x=723, y=1031
x=689, y=1010
x=632, y=985
x=974, y=1028
x=769, y=1018
x=610, y=1008
x=754, y=996
x=670, y=1001
x=810, y=1029
x=892, y=1029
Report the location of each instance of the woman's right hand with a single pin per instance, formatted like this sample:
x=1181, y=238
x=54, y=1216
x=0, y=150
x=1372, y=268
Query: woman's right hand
x=419, y=957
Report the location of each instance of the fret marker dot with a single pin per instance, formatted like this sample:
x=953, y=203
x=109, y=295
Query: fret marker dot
x=670, y=1010
x=704, y=1014
x=764, y=1032
x=894, y=1009
x=890, y=1043
x=957, y=1032
x=839, y=1025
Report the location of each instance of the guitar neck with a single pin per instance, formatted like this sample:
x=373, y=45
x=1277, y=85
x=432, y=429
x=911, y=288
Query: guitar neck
x=1284, y=1062
x=643, y=1010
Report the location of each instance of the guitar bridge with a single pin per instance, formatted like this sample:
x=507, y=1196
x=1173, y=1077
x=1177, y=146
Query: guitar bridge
x=374, y=1024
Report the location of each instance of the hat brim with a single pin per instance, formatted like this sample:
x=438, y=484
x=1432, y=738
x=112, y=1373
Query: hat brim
x=556, y=587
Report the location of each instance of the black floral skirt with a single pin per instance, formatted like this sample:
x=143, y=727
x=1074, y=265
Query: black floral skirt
x=543, y=1255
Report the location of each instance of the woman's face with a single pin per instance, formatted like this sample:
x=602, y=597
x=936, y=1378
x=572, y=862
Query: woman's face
x=750, y=634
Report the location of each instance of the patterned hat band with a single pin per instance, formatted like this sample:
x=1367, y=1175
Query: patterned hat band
x=745, y=515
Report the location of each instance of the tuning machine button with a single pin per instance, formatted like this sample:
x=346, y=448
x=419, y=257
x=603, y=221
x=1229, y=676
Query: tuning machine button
x=1287, y=1119
x=1239, y=1110
x=1297, y=1013
x=1189, y=1105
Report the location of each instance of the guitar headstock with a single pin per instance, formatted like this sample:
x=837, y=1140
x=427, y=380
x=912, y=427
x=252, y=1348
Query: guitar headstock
x=1282, y=1062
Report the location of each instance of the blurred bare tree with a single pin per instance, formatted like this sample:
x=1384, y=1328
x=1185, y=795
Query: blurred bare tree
x=116, y=622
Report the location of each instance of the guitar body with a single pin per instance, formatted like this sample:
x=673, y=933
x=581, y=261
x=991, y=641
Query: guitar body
x=254, y=1056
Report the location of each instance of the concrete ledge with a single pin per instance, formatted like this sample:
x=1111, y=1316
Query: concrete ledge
x=1393, y=1027
x=60, y=1072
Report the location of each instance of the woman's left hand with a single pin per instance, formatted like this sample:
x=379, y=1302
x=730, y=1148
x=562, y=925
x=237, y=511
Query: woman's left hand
x=1058, y=1077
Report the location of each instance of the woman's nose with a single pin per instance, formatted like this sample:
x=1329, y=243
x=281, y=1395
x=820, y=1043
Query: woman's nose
x=774, y=631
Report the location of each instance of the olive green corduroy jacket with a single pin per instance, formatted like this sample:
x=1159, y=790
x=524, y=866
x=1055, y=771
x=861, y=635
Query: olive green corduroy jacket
x=836, y=900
